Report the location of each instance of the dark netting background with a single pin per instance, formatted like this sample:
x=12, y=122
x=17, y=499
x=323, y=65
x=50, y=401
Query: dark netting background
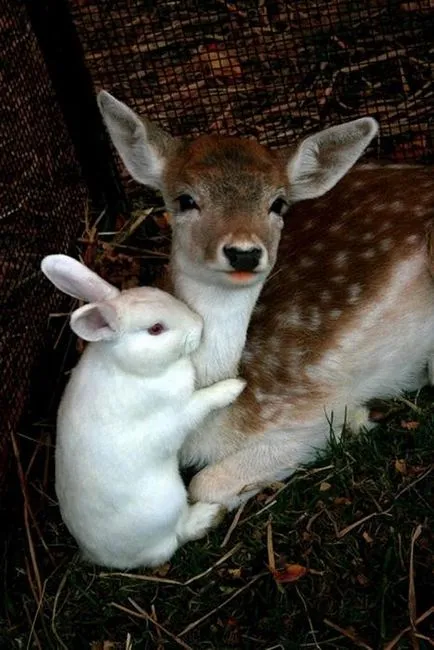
x=269, y=69
x=42, y=201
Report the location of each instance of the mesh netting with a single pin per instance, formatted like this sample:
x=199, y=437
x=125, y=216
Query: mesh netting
x=42, y=201
x=267, y=68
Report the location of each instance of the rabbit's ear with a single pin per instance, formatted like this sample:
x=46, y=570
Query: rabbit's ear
x=96, y=322
x=76, y=280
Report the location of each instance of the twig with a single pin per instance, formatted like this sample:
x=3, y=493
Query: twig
x=345, y=531
x=138, y=576
x=223, y=604
x=140, y=613
x=155, y=619
x=398, y=637
x=38, y=609
x=26, y=513
x=410, y=404
x=413, y=483
x=216, y=564
x=53, y=615
x=32, y=632
x=348, y=634
x=412, y=608
x=270, y=548
x=233, y=525
x=312, y=630
x=168, y=581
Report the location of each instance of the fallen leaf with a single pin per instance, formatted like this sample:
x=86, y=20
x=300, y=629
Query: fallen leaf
x=362, y=580
x=366, y=536
x=416, y=470
x=290, y=573
x=342, y=501
x=324, y=486
x=410, y=425
x=235, y=573
x=401, y=466
x=162, y=570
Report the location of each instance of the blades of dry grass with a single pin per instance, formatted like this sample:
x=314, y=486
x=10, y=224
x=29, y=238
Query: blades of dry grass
x=233, y=525
x=211, y=568
x=138, y=576
x=355, y=524
x=413, y=483
x=270, y=548
x=54, y=612
x=398, y=637
x=309, y=620
x=412, y=606
x=26, y=514
x=140, y=613
x=158, y=630
x=237, y=593
x=349, y=634
x=32, y=633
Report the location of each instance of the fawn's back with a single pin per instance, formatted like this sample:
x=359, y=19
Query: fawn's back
x=348, y=313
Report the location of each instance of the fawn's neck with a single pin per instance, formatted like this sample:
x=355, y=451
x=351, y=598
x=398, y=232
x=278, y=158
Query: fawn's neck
x=226, y=313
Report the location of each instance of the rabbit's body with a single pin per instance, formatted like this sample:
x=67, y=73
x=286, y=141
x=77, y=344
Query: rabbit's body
x=124, y=415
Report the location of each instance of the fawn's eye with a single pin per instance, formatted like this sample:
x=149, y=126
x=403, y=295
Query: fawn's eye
x=156, y=329
x=279, y=206
x=186, y=202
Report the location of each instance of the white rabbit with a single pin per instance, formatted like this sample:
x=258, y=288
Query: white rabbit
x=123, y=417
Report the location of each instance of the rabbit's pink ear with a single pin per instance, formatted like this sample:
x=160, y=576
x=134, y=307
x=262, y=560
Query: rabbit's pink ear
x=96, y=322
x=76, y=280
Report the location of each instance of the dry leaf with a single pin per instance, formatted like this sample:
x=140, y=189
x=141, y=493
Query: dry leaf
x=410, y=425
x=342, y=501
x=401, y=466
x=362, y=580
x=366, y=536
x=324, y=486
x=162, y=570
x=290, y=573
x=234, y=573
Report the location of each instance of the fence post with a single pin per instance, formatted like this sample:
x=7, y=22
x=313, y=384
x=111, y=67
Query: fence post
x=64, y=56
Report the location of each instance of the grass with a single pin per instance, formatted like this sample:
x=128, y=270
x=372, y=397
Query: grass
x=340, y=556
x=342, y=529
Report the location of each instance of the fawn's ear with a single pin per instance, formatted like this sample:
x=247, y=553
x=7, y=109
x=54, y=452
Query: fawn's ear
x=322, y=159
x=76, y=280
x=96, y=322
x=142, y=146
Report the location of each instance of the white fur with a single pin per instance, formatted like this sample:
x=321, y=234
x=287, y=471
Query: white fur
x=226, y=313
x=125, y=412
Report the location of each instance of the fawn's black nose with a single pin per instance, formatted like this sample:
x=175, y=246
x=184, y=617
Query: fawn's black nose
x=241, y=259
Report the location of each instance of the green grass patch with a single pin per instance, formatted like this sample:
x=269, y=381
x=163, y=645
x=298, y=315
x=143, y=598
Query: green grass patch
x=342, y=529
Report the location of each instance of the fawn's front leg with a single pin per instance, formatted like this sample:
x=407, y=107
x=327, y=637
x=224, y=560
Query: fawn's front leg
x=238, y=477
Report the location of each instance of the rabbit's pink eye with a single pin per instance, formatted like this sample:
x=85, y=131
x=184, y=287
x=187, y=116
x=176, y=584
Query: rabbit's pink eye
x=158, y=328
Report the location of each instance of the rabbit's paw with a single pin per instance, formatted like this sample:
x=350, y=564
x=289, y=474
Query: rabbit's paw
x=227, y=390
x=202, y=517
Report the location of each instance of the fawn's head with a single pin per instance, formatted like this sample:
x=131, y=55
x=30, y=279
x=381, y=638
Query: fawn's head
x=228, y=196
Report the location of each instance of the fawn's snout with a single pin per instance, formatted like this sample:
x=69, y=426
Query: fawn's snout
x=243, y=259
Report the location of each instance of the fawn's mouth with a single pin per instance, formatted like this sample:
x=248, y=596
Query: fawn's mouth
x=243, y=277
